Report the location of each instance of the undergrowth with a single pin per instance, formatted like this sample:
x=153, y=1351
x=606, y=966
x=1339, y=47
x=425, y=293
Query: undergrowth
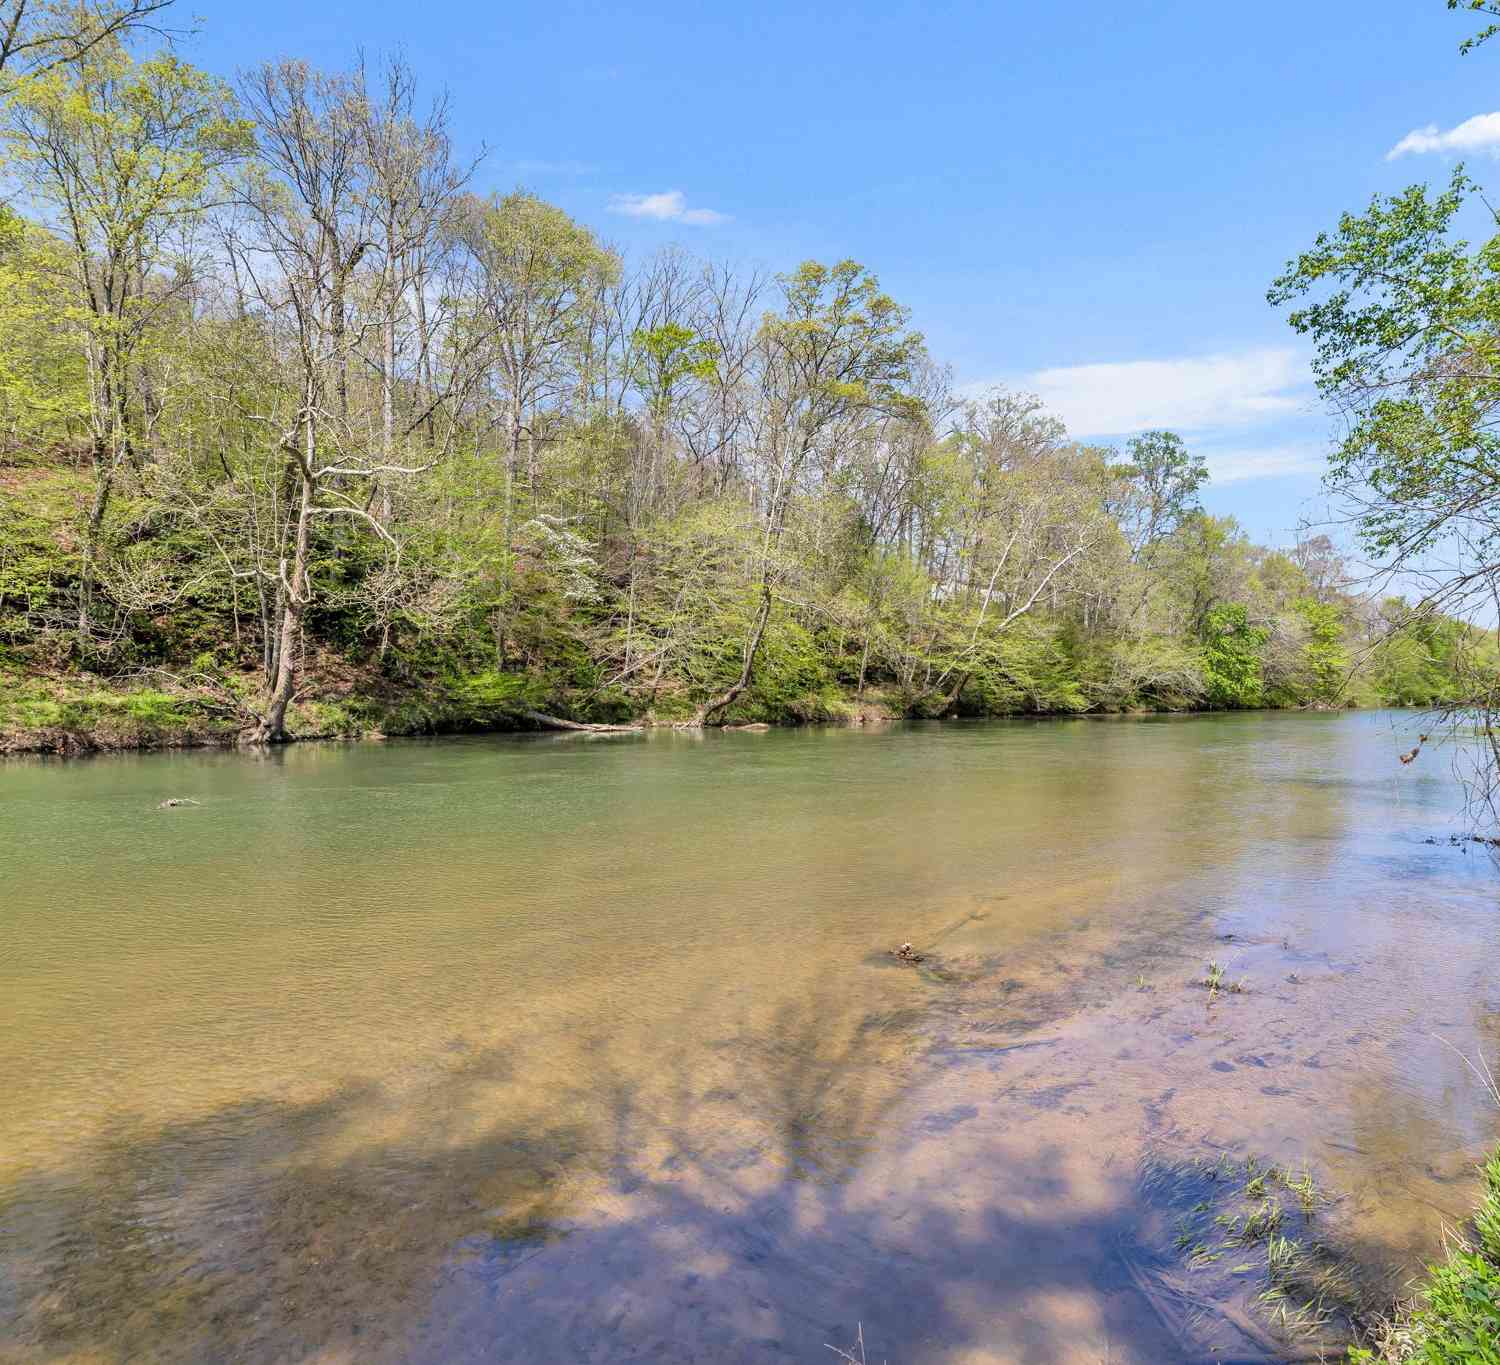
x=1454, y=1318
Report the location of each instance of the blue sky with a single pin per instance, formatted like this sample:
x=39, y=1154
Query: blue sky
x=1087, y=200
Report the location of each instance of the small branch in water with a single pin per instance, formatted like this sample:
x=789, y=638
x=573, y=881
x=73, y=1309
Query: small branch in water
x=859, y=1345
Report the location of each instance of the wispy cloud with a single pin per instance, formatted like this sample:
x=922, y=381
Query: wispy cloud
x=1242, y=410
x=1261, y=462
x=670, y=206
x=555, y=168
x=1478, y=134
x=1192, y=393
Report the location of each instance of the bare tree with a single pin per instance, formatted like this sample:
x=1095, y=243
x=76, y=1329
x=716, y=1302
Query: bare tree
x=338, y=185
x=413, y=183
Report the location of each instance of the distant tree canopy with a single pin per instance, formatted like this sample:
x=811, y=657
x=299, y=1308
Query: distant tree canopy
x=304, y=422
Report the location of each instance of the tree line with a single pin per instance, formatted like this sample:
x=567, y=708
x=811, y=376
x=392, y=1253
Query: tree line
x=296, y=421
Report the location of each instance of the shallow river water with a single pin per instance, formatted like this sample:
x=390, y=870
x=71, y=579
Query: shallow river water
x=594, y=1049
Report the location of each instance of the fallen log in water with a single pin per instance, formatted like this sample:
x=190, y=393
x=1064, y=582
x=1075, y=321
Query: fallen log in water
x=557, y=723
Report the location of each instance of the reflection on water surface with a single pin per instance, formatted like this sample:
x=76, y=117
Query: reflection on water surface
x=593, y=1050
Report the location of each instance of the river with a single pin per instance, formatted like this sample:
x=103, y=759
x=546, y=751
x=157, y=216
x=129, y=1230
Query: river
x=593, y=1049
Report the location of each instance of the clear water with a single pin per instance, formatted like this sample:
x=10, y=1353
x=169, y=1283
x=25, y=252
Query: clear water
x=594, y=1050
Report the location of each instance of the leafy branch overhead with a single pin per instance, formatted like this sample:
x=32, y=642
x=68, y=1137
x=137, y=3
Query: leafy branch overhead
x=1477, y=7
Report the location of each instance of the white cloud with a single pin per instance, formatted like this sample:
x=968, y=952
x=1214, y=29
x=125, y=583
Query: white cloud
x=1478, y=134
x=1234, y=407
x=668, y=207
x=1261, y=462
x=1193, y=393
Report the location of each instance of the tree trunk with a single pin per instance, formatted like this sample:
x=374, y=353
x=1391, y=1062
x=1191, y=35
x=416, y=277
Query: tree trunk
x=387, y=406
x=272, y=726
x=103, y=484
x=512, y=467
x=557, y=723
x=426, y=384
x=337, y=329
x=727, y=698
x=268, y=627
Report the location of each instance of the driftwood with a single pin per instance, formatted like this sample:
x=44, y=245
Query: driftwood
x=557, y=723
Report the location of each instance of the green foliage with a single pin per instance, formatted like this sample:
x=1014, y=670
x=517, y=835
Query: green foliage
x=793, y=680
x=43, y=384
x=1165, y=478
x=1485, y=33
x=37, y=561
x=844, y=343
x=1419, y=664
x=140, y=716
x=492, y=695
x=1403, y=316
x=1027, y=668
x=668, y=355
x=1232, y=657
x=1325, y=657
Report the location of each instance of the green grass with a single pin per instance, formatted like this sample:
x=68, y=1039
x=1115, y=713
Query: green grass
x=1261, y=1222
x=127, y=717
x=1455, y=1317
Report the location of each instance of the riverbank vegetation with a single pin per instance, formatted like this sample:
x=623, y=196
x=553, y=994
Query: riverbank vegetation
x=1454, y=1319
x=301, y=432
x=1404, y=314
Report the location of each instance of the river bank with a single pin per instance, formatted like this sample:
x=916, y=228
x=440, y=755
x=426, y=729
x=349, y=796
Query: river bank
x=72, y=716
x=1454, y=1316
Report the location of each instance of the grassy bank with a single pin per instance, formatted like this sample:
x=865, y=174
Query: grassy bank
x=72, y=714
x=1454, y=1319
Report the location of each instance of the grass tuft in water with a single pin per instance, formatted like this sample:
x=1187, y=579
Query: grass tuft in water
x=1262, y=1222
x=1308, y=1194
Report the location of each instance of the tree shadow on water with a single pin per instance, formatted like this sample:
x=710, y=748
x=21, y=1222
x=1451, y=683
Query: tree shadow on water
x=751, y=1209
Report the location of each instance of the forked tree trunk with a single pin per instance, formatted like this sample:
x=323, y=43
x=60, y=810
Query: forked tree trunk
x=271, y=728
x=727, y=698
